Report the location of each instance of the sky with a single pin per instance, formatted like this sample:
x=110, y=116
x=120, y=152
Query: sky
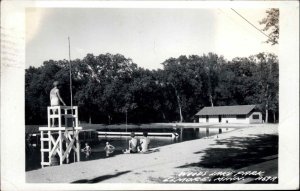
x=147, y=36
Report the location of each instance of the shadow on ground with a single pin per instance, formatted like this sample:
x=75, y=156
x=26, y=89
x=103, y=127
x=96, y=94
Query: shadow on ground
x=238, y=153
x=100, y=178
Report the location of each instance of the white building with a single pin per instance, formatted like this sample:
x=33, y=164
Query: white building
x=230, y=114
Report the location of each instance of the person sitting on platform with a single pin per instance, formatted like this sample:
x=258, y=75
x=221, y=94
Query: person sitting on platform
x=55, y=99
x=145, y=142
x=133, y=144
x=109, y=148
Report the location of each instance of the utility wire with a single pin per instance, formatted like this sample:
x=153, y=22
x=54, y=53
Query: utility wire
x=251, y=23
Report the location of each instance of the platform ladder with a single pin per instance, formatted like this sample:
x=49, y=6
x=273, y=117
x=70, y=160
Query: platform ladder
x=61, y=135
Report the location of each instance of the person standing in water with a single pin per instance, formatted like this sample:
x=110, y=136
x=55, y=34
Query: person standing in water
x=55, y=99
x=109, y=149
x=87, y=150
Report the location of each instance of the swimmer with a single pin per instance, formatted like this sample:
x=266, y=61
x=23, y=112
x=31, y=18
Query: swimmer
x=109, y=148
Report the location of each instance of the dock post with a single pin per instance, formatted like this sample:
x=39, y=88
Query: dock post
x=49, y=146
x=181, y=133
x=78, y=149
x=42, y=147
x=60, y=148
x=67, y=154
x=66, y=123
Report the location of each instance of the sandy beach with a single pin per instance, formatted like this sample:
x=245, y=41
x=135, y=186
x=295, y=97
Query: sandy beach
x=245, y=149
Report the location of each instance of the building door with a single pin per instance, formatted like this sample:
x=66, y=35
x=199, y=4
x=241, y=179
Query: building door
x=220, y=118
x=207, y=119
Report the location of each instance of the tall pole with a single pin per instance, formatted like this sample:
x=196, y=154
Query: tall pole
x=71, y=93
x=126, y=123
x=70, y=75
x=126, y=119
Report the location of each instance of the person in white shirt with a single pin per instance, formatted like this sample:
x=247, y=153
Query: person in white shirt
x=55, y=99
x=55, y=96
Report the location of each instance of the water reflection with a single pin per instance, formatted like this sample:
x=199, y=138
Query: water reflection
x=87, y=154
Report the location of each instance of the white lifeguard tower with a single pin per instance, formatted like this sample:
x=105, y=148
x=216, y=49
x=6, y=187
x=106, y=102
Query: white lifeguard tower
x=61, y=135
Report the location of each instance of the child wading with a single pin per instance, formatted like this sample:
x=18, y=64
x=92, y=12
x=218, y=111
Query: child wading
x=109, y=149
x=87, y=150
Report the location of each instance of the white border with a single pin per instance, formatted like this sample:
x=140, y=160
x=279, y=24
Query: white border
x=12, y=94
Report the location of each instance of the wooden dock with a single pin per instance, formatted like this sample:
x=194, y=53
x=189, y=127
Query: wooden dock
x=107, y=134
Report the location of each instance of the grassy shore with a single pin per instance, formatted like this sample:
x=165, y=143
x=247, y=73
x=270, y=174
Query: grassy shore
x=252, y=148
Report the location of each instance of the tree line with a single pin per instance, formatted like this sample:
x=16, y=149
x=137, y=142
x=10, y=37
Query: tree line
x=112, y=89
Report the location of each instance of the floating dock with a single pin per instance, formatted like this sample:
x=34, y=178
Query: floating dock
x=107, y=134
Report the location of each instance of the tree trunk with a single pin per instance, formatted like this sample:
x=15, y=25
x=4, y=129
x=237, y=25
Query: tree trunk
x=180, y=113
x=210, y=88
x=126, y=117
x=90, y=119
x=274, y=116
x=163, y=116
x=179, y=105
x=267, y=116
x=109, y=118
x=267, y=104
x=211, y=101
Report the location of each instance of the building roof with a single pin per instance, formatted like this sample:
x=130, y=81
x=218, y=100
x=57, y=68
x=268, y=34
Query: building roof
x=227, y=110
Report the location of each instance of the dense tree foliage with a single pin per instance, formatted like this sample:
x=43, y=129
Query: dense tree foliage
x=271, y=24
x=112, y=89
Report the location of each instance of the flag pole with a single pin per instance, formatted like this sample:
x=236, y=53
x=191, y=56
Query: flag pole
x=71, y=92
x=70, y=75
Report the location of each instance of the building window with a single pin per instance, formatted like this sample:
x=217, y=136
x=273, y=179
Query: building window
x=241, y=116
x=255, y=116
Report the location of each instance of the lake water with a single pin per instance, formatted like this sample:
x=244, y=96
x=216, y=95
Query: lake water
x=33, y=155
